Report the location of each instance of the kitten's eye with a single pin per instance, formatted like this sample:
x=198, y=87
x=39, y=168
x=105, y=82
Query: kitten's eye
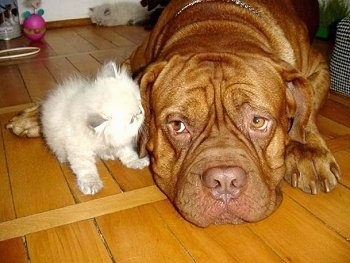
x=136, y=116
x=107, y=12
x=133, y=118
x=259, y=123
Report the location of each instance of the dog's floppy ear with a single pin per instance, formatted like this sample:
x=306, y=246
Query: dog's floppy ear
x=299, y=100
x=146, y=82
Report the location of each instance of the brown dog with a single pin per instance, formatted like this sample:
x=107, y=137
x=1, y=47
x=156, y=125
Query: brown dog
x=231, y=92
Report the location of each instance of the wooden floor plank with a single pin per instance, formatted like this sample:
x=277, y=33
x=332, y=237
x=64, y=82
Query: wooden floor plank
x=79, y=242
x=37, y=78
x=214, y=244
x=12, y=88
x=66, y=41
x=86, y=64
x=199, y=245
x=343, y=159
x=14, y=43
x=110, y=35
x=118, y=54
x=45, y=49
x=7, y=210
x=89, y=34
x=148, y=238
x=13, y=251
x=58, y=43
x=134, y=34
x=337, y=112
x=78, y=212
x=297, y=236
x=36, y=179
x=331, y=128
x=340, y=98
x=60, y=68
x=332, y=208
x=16, y=108
x=339, y=143
x=110, y=186
x=129, y=179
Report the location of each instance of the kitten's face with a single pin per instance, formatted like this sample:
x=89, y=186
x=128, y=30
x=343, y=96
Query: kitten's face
x=100, y=14
x=119, y=111
x=125, y=125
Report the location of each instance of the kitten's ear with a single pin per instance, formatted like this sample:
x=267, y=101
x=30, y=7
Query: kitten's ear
x=92, y=9
x=96, y=122
x=109, y=70
x=107, y=12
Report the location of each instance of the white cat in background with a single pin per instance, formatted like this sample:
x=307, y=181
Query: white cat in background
x=85, y=119
x=120, y=13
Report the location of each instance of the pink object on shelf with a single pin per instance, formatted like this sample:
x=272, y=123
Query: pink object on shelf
x=34, y=27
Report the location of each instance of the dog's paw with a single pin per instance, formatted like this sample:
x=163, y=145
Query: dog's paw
x=26, y=123
x=138, y=163
x=90, y=185
x=312, y=169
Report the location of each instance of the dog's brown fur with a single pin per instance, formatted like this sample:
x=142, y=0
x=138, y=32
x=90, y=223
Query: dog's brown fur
x=213, y=66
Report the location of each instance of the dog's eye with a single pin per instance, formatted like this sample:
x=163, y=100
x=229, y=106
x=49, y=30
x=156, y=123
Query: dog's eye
x=259, y=123
x=178, y=132
x=178, y=126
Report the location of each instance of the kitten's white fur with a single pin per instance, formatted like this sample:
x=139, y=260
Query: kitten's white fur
x=84, y=119
x=120, y=13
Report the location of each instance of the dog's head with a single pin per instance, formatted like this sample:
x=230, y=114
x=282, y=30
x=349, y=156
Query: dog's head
x=216, y=129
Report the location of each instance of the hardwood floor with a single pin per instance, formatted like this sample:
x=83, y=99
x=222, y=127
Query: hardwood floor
x=44, y=217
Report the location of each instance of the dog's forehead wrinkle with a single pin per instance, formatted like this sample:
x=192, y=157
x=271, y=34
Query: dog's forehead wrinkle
x=240, y=95
x=217, y=80
x=184, y=105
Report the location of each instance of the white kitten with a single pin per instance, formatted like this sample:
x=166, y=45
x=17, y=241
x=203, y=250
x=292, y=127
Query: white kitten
x=84, y=119
x=120, y=13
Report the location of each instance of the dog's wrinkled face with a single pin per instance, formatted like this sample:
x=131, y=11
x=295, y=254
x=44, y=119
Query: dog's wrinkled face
x=218, y=129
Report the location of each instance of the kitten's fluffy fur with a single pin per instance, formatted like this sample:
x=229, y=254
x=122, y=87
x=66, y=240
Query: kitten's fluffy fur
x=84, y=119
x=120, y=13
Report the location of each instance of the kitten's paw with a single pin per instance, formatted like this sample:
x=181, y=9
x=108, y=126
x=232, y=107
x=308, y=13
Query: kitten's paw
x=90, y=185
x=138, y=164
x=107, y=157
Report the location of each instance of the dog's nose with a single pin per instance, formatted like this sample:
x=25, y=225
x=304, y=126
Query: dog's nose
x=225, y=183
